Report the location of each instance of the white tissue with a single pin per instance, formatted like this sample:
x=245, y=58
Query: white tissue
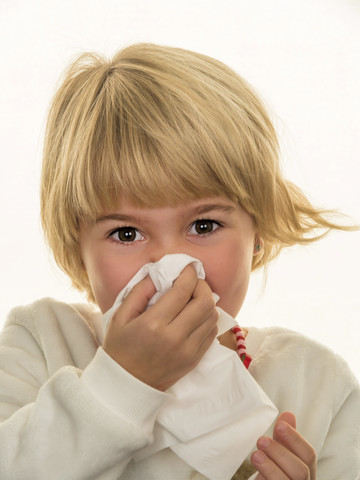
x=217, y=411
x=163, y=273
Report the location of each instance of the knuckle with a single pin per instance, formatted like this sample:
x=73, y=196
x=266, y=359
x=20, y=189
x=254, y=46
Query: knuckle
x=152, y=327
x=206, y=304
x=212, y=322
x=311, y=456
x=116, y=316
x=215, y=316
x=183, y=293
x=189, y=353
x=304, y=473
x=205, y=288
x=215, y=331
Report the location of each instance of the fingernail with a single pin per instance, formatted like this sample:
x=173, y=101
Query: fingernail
x=258, y=457
x=281, y=427
x=263, y=442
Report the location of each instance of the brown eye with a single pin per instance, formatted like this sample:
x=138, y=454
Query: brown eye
x=126, y=235
x=203, y=227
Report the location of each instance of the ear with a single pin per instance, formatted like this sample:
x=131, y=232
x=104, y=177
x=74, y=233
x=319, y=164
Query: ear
x=258, y=245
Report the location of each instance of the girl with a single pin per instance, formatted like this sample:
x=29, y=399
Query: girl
x=162, y=151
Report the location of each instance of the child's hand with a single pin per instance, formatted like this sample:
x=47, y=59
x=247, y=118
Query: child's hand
x=288, y=456
x=161, y=345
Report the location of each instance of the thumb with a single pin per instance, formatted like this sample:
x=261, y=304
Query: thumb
x=136, y=302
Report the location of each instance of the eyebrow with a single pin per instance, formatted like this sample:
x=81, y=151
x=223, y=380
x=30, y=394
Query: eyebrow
x=116, y=216
x=201, y=209
x=198, y=210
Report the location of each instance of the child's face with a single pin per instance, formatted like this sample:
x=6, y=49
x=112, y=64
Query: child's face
x=215, y=230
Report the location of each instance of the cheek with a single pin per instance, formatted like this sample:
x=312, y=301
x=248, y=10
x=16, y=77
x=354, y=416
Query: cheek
x=107, y=279
x=228, y=275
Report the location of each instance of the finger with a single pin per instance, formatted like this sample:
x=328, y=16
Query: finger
x=175, y=299
x=200, y=309
x=287, y=417
x=259, y=477
x=201, y=338
x=136, y=301
x=191, y=351
x=266, y=467
x=285, y=460
x=287, y=436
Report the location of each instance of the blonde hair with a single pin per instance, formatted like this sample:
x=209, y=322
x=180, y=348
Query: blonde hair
x=160, y=126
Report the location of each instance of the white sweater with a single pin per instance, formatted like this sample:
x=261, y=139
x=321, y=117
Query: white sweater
x=68, y=411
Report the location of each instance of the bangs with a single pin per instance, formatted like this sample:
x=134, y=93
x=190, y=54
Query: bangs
x=157, y=143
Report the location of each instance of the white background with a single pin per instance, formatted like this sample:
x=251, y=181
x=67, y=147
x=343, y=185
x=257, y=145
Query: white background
x=304, y=58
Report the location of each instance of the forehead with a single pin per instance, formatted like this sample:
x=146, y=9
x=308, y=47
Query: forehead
x=128, y=210
x=186, y=204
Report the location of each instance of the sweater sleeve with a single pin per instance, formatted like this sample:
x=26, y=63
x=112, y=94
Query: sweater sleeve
x=71, y=423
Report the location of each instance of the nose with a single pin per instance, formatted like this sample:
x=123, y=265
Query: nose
x=159, y=250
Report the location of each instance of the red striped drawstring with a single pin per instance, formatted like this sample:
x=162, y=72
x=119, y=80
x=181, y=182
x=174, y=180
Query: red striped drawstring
x=241, y=347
